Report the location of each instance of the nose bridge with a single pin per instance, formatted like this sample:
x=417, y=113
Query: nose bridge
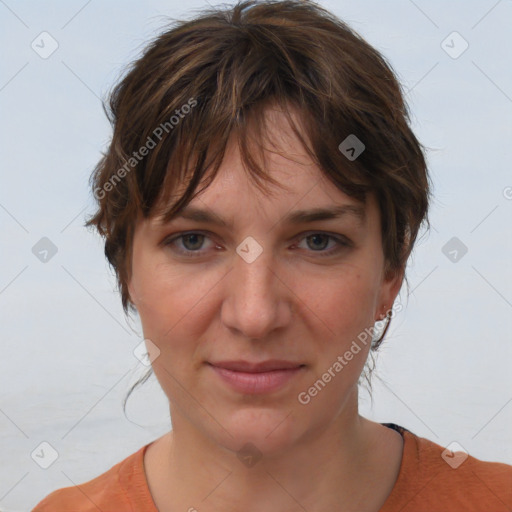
x=254, y=302
x=255, y=277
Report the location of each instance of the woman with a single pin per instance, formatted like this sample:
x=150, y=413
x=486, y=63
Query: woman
x=259, y=201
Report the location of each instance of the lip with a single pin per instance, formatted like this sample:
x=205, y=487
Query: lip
x=254, y=378
x=263, y=366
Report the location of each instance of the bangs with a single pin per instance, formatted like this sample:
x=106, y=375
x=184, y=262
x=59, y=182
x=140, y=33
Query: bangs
x=195, y=164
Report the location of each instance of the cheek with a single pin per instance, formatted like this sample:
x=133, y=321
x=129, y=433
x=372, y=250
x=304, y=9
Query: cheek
x=171, y=303
x=341, y=309
x=343, y=304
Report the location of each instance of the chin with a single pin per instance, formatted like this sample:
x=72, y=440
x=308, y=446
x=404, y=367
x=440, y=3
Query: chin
x=266, y=430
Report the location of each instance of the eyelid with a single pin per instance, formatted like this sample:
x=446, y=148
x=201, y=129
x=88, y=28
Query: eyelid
x=339, y=236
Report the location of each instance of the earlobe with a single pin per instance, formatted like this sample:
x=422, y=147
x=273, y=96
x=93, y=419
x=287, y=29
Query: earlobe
x=390, y=289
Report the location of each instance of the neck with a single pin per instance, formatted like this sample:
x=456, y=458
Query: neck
x=339, y=465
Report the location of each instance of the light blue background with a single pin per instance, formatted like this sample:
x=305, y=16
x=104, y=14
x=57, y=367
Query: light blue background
x=67, y=350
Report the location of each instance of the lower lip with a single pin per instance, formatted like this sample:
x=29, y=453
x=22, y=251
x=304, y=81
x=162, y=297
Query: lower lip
x=254, y=383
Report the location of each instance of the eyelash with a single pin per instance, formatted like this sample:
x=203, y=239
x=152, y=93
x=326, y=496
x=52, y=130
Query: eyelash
x=341, y=242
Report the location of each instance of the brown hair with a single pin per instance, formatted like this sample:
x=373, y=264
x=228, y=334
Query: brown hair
x=204, y=79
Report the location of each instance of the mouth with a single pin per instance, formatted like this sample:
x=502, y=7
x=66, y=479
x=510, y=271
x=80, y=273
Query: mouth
x=255, y=378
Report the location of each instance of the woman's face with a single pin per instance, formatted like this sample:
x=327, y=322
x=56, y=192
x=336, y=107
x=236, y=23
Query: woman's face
x=258, y=288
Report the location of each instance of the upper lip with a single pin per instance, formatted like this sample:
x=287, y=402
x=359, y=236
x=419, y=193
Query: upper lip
x=264, y=366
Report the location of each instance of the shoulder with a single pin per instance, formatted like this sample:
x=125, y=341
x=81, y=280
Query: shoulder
x=122, y=488
x=431, y=475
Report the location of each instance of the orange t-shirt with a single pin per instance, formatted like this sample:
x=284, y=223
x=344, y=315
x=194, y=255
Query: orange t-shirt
x=425, y=483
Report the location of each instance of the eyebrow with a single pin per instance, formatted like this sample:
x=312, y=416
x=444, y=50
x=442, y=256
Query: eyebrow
x=296, y=217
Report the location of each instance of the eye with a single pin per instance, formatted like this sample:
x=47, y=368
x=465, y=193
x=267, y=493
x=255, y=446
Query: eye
x=192, y=243
x=319, y=242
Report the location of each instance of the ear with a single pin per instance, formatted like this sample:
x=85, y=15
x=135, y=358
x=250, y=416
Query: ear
x=390, y=287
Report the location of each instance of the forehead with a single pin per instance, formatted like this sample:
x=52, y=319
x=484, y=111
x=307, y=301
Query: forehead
x=306, y=196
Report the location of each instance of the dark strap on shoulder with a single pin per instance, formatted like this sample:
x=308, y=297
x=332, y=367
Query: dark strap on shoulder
x=396, y=427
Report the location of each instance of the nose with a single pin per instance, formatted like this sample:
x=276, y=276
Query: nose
x=257, y=300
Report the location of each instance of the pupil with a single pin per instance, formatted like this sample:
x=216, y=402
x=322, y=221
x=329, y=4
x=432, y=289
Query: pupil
x=192, y=236
x=316, y=237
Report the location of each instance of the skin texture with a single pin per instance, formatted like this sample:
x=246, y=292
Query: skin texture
x=290, y=303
